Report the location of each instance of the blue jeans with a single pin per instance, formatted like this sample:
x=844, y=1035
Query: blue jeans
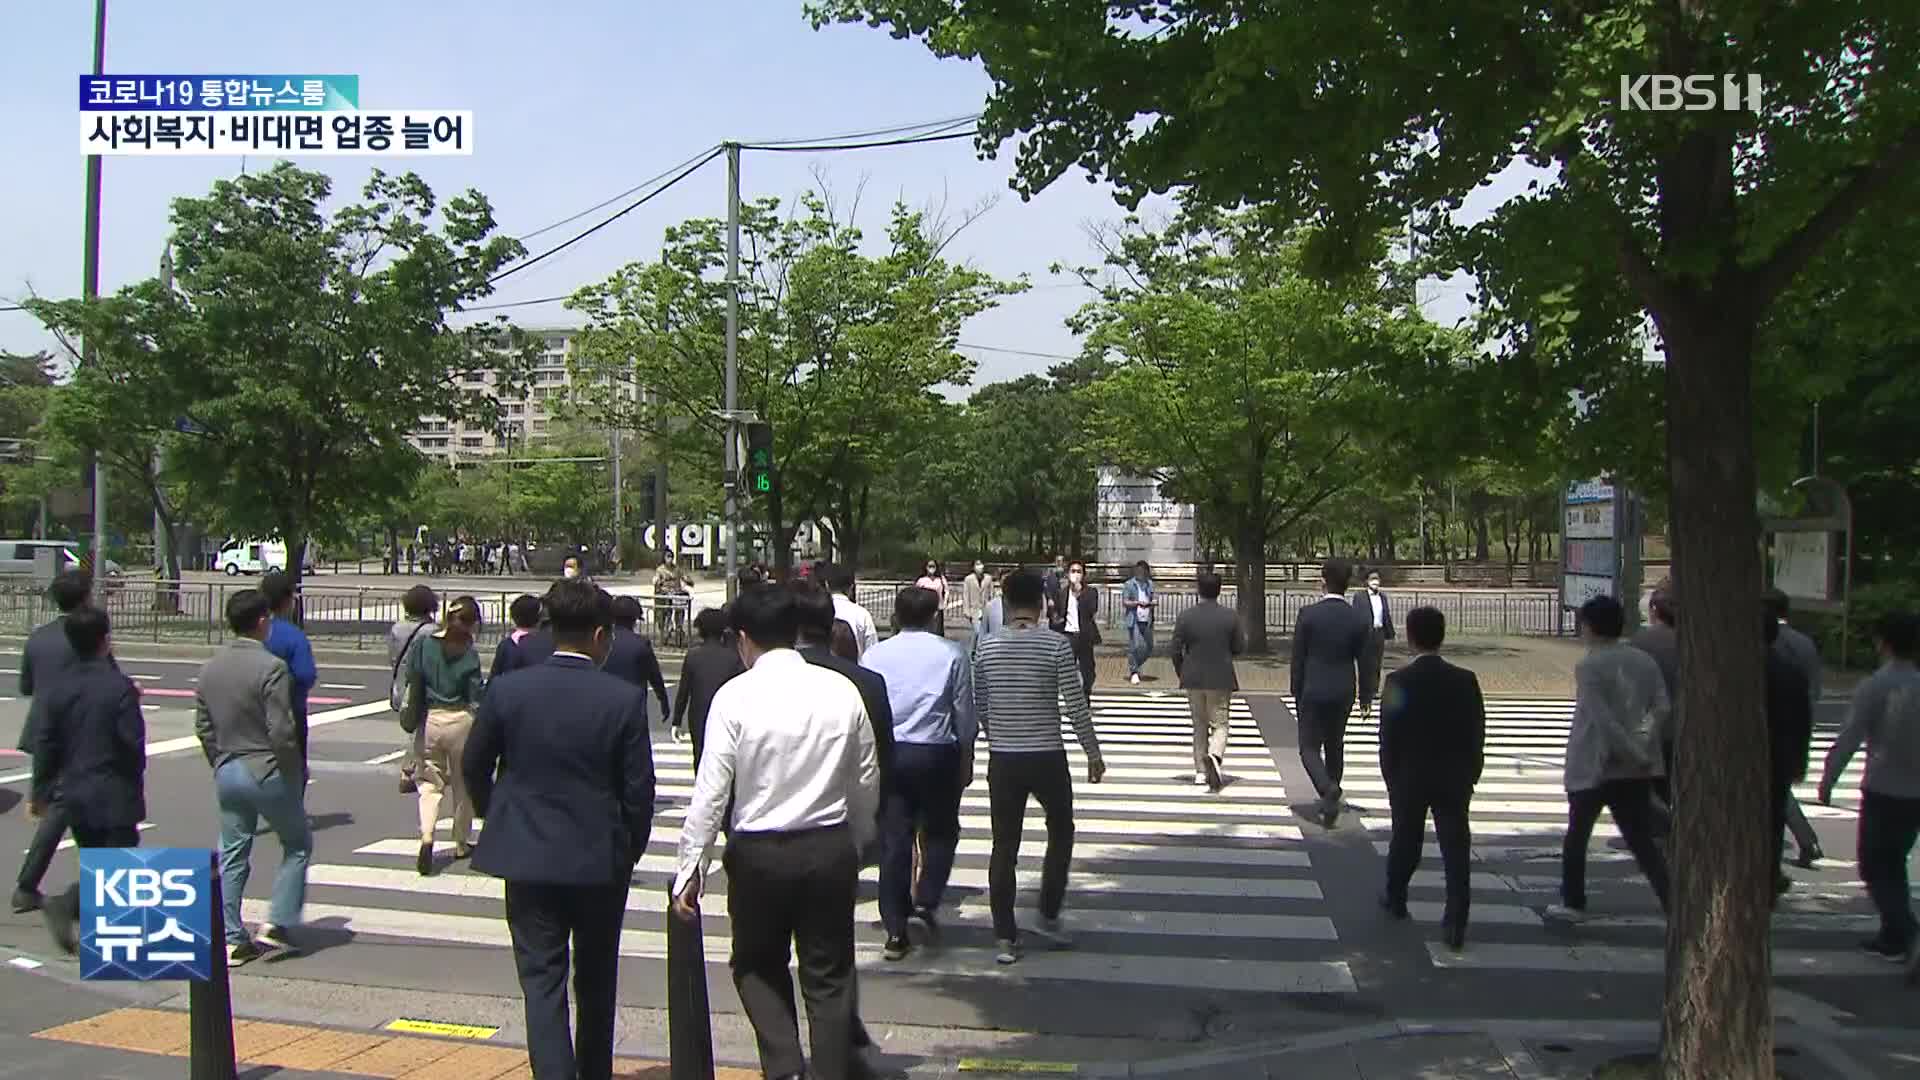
x=1139, y=645
x=243, y=802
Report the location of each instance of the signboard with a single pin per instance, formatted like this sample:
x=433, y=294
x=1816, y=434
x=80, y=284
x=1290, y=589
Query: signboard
x=146, y=914
x=1589, y=547
x=1134, y=521
x=1803, y=564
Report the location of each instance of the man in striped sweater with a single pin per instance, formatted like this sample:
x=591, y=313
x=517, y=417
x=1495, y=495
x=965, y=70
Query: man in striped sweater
x=1022, y=676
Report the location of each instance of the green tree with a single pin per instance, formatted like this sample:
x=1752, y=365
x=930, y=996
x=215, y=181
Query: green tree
x=306, y=345
x=838, y=350
x=1244, y=382
x=1355, y=114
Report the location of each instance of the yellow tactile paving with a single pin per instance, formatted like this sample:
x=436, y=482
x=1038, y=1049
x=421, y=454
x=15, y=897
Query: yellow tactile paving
x=293, y=1046
x=151, y=1031
x=397, y=1057
x=473, y=1063
x=252, y=1038
x=320, y=1051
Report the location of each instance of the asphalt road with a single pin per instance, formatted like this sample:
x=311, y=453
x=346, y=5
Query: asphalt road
x=1198, y=916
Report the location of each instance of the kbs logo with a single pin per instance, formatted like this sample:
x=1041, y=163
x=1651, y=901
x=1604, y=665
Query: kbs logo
x=146, y=913
x=1694, y=93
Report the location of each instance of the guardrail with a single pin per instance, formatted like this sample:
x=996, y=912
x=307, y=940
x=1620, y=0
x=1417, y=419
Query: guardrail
x=1478, y=612
x=195, y=613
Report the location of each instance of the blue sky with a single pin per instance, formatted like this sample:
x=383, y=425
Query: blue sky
x=573, y=103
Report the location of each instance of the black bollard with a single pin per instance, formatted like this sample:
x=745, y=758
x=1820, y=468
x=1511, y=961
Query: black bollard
x=210, y=1004
x=689, y=1021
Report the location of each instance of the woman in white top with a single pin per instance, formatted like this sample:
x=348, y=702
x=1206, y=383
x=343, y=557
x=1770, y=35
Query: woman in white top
x=936, y=581
x=977, y=593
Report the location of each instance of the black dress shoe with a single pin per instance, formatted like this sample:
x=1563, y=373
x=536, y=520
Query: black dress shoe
x=1396, y=909
x=25, y=900
x=1455, y=935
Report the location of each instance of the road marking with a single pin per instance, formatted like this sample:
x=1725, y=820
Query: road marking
x=68, y=844
x=1620, y=960
x=342, y=686
x=1159, y=972
x=192, y=742
x=438, y=1027
x=1163, y=798
x=1015, y=1065
x=384, y=758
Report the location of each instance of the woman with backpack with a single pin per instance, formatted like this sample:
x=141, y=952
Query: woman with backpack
x=418, y=606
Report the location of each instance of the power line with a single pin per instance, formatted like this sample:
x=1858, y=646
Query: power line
x=644, y=184
x=930, y=125
x=822, y=147
x=1016, y=352
x=519, y=303
x=630, y=208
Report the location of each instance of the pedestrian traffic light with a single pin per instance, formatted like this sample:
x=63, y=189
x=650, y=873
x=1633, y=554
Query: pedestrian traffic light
x=760, y=458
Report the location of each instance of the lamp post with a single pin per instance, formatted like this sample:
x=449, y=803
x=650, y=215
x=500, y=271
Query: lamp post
x=90, y=286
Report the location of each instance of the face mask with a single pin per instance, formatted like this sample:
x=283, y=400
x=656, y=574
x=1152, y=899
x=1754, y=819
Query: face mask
x=1373, y=586
x=980, y=568
x=929, y=571
x=570, y=573
x=1077, y=577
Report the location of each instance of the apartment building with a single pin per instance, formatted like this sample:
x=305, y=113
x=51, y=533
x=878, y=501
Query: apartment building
x=525, y=419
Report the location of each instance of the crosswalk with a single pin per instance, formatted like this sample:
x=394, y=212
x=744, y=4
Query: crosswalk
x=1518, y=818
x=1172, y=886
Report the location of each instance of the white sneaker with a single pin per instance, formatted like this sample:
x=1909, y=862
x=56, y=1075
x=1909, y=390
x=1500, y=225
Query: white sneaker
x=1136, y=678
x=1563, y=913
x=1199, y=780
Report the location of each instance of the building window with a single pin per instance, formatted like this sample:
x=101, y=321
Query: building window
x=471, y=442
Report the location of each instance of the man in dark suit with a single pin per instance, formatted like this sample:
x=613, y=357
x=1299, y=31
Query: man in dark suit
x=1374, y=608
x=568, y=816
x=1433, y=735
x=512, y=654
x=815, y=605
x=92, y=743
x=1328, y=639
x=630, y=657
x=1076, y=613
x=1206, y=638
x=705, y=669
x=44, y=662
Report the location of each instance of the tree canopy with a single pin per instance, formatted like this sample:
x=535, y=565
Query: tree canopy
x=297, y=348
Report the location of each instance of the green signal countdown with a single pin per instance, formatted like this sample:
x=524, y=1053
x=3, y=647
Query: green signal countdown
x=760, y=458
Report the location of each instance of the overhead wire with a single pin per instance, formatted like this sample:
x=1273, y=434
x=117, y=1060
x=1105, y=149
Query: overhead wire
x=628, y=209
x=873, y=133
x=603, y=204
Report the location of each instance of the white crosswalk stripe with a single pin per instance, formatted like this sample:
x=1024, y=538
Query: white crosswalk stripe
x=1519, y=816
x=1171, y=886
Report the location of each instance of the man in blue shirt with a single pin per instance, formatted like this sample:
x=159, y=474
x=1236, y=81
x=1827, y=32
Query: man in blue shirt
x=287, y=641
x=930, y=691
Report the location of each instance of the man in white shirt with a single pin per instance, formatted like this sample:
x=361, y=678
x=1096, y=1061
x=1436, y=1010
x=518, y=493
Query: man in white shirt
x=840, y=583
x=790, y=744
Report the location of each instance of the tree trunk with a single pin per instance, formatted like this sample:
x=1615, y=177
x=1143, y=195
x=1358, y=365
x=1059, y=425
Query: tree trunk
x=1718, y=1019
x=1250, y=581
x=1482, y=542
x=296, y=568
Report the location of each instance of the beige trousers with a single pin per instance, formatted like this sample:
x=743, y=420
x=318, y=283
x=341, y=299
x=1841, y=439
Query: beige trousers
x=438, y=774
x=1209, y=708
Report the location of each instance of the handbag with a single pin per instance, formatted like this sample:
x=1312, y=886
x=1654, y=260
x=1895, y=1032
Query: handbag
x=400, y=695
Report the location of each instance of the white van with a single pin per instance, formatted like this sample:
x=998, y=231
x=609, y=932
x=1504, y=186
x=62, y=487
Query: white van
x=17, y=556
x=255, y=557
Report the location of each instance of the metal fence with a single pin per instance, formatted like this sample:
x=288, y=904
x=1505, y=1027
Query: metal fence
x=332, y=617
x=1479, y=612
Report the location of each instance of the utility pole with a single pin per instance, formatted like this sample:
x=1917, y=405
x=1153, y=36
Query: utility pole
x=732, y=404
x=660, y=506
x=166, y=597
x=91, y=287
x=618, y=516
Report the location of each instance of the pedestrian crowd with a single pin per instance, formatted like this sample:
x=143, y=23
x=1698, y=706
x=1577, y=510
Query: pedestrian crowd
x=821, y=748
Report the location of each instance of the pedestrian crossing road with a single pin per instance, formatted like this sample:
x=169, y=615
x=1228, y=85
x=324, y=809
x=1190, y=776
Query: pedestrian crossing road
x=1180, y=889
x=1518, y=819
x=1172, y=887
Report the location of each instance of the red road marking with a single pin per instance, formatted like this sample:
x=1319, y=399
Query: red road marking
x=161, y=691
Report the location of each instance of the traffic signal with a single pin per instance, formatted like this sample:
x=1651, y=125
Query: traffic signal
x=760, y=458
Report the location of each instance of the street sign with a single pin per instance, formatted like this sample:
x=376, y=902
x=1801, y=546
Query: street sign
x=146, y=914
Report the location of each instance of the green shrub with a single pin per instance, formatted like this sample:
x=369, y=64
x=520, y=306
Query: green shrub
x=1870, y=602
